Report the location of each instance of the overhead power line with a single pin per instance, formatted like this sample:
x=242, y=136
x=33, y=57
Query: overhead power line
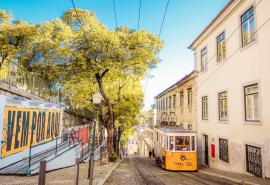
x=230, y=36
x=163, y=19
x=158, y=35
x=224, y=62
x=139, y=15
x=115, y=14
x=80, y=23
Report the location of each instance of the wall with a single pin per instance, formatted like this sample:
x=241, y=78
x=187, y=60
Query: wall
x=242, y=66
x=21, y=120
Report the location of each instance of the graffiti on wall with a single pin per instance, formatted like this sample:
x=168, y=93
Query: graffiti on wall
x=23, y=127
x=79, y=135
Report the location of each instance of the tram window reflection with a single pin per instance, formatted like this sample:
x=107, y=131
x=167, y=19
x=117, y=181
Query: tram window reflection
x=182, y=143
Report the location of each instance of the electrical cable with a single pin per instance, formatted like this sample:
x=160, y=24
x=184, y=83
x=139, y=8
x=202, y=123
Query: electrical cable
x=80, y=23
x=163, y=19
x=115, y=14
x=139, y=15
x=158, y=36
x=223, y=64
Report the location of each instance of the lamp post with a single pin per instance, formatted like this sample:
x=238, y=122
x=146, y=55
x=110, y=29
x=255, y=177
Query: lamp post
x=96, y=100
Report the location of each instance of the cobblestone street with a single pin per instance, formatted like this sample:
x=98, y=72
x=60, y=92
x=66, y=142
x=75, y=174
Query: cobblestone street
x=123, y=174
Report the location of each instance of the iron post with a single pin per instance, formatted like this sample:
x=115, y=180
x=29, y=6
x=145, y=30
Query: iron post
x=91, y=161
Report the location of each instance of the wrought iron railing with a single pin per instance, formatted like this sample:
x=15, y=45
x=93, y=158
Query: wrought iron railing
x=13, y=74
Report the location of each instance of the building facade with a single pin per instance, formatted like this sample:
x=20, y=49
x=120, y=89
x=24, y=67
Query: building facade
x=233, y=59
x=177, y=104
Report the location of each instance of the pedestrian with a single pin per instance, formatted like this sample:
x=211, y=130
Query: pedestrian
x=126, y=154
x=150, y=154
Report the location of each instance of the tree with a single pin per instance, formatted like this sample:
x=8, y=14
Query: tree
x=81, y=55
x=98, y=52
x=127, y=111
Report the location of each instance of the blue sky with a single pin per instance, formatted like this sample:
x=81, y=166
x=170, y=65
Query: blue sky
x=184, y=21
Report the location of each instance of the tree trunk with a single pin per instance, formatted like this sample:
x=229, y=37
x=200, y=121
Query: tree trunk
x=119, y=133
x=115, y=141
x=109, y=121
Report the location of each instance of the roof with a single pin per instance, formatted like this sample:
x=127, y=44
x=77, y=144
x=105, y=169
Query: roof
x=212, y=22
x=175, y=129
x=179, y=82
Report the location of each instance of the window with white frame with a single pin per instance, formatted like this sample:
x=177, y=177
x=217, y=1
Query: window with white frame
x=170, y=102
x=181, y=99
x=204, y=59
x=223, y=106
x=221, y=48
x=189, y=97
x=252, y=103
x=205, y=107
x=248, y=27
x=174, y=101
x=167, y=103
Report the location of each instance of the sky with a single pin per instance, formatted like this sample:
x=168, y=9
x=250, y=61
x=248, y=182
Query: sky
x=184, y=21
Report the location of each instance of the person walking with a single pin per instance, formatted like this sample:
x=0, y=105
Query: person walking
x=150, y=154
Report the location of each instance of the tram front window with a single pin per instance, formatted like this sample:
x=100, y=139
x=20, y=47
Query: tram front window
x=182, y=143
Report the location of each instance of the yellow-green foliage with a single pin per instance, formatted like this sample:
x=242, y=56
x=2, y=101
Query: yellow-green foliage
x=113, y=157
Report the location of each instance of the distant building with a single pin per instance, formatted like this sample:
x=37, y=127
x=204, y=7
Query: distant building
x=233, y=97
x=176, y=105
x=132, y=146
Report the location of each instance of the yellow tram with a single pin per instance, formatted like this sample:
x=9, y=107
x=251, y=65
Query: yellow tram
x=175, y=148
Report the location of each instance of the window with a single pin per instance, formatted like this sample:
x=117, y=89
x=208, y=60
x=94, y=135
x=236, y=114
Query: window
x=174, y=100
x=251, y=103
x=167, y=103
x=170, y=102
x=163, y=103
x=221, y=48
x=223, y=113
x=223, y=150
x=157, y=105
x=248, y=27
x=181, y=99
x=189, y=126
x=193, y=142
x=181, y=125
x=182, y=143
x=204, y=59
x=189, y=97
x=205, y=108
x=171, y=143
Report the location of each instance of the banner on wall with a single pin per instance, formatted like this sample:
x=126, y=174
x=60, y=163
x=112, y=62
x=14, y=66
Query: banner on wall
x=23, y=127
x=79, y=135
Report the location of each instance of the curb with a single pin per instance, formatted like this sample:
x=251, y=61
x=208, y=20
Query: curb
x=108, y=174
x=228, y=178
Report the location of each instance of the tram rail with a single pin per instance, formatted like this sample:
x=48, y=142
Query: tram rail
x=143, y=175
x=191, y=175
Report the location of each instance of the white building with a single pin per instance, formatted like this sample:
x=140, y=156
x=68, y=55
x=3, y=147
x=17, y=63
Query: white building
x=233, y=95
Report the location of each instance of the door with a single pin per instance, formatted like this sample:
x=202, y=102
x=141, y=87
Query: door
x=206, y=149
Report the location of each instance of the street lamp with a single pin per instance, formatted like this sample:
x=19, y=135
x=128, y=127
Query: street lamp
x=96, y=100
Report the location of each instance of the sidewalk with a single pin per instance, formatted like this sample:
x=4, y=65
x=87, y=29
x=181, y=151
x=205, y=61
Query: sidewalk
x=235, y=177
x=65, y=176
